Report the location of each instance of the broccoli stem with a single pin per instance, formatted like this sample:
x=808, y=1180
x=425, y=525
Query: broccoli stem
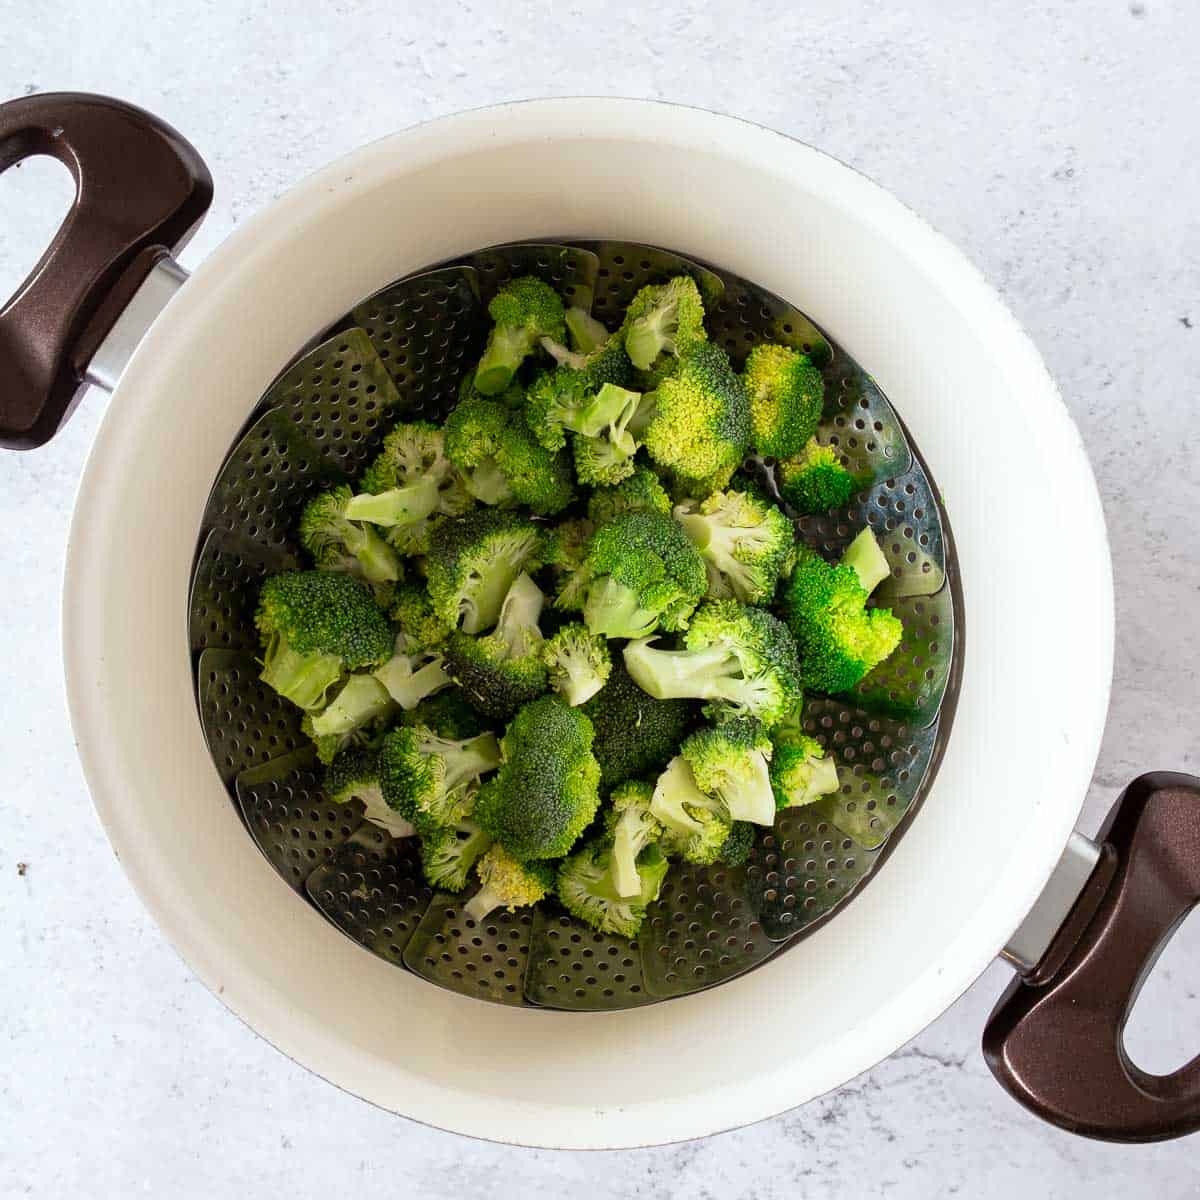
x=397, y=506
x=612, y=609
x=482, y=903
x=866, y=558
x=677, y=787
x=681, y=674
x=304, y=679
x=587, y=334
x=482, y=607
x=377, y=811
x=506, y=350
x=581, y=682
x=643, y=414
x=487, y=484
x=376, y=558
x=605, y=409
x=409, y=687
x=752, y=799
x=822, y=781
x=650, y=335
x=361, y=700
x=467, y=760
x=628, y=841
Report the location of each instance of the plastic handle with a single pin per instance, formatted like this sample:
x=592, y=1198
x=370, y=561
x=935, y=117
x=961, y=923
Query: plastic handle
x=1055, y=1040
x=140, y=192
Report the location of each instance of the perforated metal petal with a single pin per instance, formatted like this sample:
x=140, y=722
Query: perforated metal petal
x=570, y=270
x=747, y=315
x=372, y=889
x=624, y=268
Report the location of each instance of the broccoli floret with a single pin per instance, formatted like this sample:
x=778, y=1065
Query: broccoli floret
x=838, y=638
x=472, y=563
x=431, y=780
x=631, y=827
x=585, y=332
x=640, y=573
x=447, y=855
x=504, y=669
x=564, y=549
x=565, y=399
x=362, y=701
x=786, y=397
x=448, y=714
x=547, y=789
x=745, y=542
x=695, y=826
x=815, y=481
x=697, y=421
x=524, y=311
x=538, y=478
x=507, y=883
x=800, y=770
x=606, y=456
x=731, y=761
x=586, y=888
x=339, y=544
x=354, y=775
x=737, y=846
x=409, y=676
x=577, y=662
x=635, y=734
x=741, y=658
x=315, y=626
x=642, y=491
x=413, y=614
x=665, y=318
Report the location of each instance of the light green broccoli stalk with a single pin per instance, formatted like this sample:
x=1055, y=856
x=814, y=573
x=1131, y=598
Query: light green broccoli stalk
x=339, y=544
x=524, y=311
x=632, y=827
x=587, y=890
x=507, y=883
x=801, y=772
x=578, y=663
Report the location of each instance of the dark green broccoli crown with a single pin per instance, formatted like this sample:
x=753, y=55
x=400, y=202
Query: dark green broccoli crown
x=352, y=772
x=324, y=612
x=786, y=395
x=557, y=398
x=642, y=573
x=474, y=430
x=735, y=850
x=412, y=612
x=700, y=427
x=815, y=481
x=538, y=478
x=528, y=303
x=494, y=680
x=448, y=854
x=642, y=491
x=663, y=319
x=447, y=713
x=547, y=789
x=634, y=734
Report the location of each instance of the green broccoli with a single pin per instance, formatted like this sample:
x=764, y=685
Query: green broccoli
x=605, y=457
x=354, y=775
x=742, y=659
x=663, y=319
x=786, y=395
x=634, y=733
x=472, y=563
x=695, y=826
x=449, y=853
x=547, y=789
x=578, y=663
x=448, y=714
x=585, y=332
x=507, y=883
x=642, y=491
x=801, y=772
x=315, y=626
x=737, y=846
x=586, y=889
x=524, y=311
x=412, y=612
x=640, y=573
x=502, y=670
x=566, y=399
x=410, y=678
x=815, y=481
x=731, y=761
x=362, y=701
x=631, y=827
x=838, y=638
x=339, y=544
x=696, y=423
x=745, y=542
x=564, y=549
x=431, y=780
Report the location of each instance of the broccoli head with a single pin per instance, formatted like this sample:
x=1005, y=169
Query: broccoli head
x=412, y=612
x=578, y=663
x=663, y=319
x=642, y=491
x=564, y=548
x=586, y=888
x=640, y=573
x=731, y=762
x=547, y=789
x=361, y=702
x=742, y=659
x=315, y=626
x=565, y=399
x=631, y=827
x=745, y=542
x=605, y=457
x=339, y=544
x=472, y=563
x=697, y=422
x=354, y=775
x=800, y=770
x=525, y=310
x=838, y=638
x=696, y=827
x=448, y=854
x=584, y=331
x=502, y=670
x=786, y=395
x=815, y=481
x=507, y=883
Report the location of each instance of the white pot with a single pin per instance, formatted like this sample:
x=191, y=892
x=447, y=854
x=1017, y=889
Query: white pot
x=978, y=402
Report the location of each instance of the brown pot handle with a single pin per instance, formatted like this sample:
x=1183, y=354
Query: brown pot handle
x=1055, y=1040
x=140, y=191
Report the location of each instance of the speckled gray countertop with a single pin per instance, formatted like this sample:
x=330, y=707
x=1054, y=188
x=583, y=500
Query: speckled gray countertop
x=1057, y=142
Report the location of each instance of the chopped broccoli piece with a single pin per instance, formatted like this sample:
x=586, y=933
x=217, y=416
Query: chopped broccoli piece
x=786, y=394
x=547, y=789
x=800, y=770
x=635, y=734
x=362, y=701
x=737, y=846
x=665, y=318
x=695, y=826
x=431, y=780
x=578, y=663
x=448, y=714
x=632, y=827
x=837, y=637
x=815, y=481
x=410, y=677
x=564, y=549
x=504, y=669
x=605, y=457
x=697, y=421
x=741, y=658
x=587, y=890
x=507, y=883
x=867, y=560
x=524, y=311
x=412, y=612
x=731, y=762
x=315, y=626
x=449, y=853
x=339, y=544
x=642, y=491
x=566, y=399
x=585, y=332
x=354, y=775
x=745, y=542
x=640, y=573
x=472, y=563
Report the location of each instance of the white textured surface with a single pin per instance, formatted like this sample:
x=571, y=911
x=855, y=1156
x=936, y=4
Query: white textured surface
x=1055, y=142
